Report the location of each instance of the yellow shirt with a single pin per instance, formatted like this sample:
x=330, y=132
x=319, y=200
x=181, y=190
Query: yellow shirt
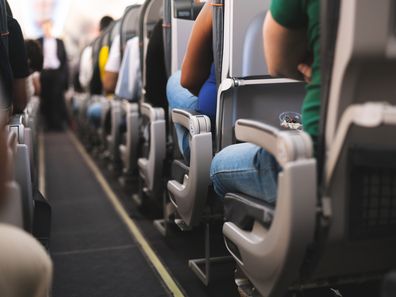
x=103, y=57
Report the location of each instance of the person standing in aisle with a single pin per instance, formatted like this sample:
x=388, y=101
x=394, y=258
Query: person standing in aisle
x=54, y=79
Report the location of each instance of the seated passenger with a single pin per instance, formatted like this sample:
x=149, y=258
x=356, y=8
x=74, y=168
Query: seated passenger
x=86, y=68
x=195, y=87
x=18, y=62
x=106, y=56
x=291, y=33
x=129, y=79
x=112, y=66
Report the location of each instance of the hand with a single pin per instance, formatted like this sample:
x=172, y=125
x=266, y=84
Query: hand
x=306, y=71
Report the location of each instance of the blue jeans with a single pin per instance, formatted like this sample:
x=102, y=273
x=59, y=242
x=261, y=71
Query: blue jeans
x=245, y=168
x=179, y=97
x=94, y=114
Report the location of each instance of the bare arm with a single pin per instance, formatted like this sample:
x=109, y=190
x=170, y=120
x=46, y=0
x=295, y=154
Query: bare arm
x=198, y=58
x=19, y=95
x=284, y=49
x=110, y=81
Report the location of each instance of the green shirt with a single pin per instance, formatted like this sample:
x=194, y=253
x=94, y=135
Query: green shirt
x=297, y=14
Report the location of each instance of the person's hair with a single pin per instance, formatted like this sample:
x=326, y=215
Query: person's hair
x=105, y=22
x=34, y=55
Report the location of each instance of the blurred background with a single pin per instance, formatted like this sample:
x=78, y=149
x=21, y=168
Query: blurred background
x=74, y=20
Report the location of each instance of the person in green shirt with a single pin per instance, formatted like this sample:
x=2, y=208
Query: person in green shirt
x=291, y=34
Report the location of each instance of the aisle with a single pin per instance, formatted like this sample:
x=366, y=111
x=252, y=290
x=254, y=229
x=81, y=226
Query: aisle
x=93, y=252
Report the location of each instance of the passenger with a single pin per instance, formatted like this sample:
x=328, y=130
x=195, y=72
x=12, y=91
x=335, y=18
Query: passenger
x=105, y=22
x=18, y=62
x=95, y=85
x=129, y=78
x=35, y=63
x=109, y=62
x=86, y=70
x=291, y=34
x=54, y=79
x=112, y=66
x=195, y=87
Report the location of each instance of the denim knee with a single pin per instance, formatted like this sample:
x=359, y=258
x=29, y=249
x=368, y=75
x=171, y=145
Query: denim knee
x=94, y=114
x=179, y=97
x=245, y=168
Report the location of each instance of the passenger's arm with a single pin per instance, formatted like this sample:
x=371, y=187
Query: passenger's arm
x=20, y=98
x=112, y=67
x=199, y=57
x=284, y=48
x=110, y=81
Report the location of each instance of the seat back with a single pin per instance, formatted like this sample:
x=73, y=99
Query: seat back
x=115, y=31
x=360, y=168
x=182, y=23
x=152, y=11
x=252, y=47
x=129, y=25
x=246, y=90
x=95, y=86
x=218, y=37
x=167, y=35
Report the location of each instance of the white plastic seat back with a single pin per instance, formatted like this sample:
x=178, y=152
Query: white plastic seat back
x=253, y=63
x=167, y=33
x=181, y=30
x=129, y=25
x=246, y=90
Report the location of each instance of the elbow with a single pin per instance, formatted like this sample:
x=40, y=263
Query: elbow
x=275, y=68
x=109, y=83
x=188, y=83
x=273, y=71
x=185, y=82
x=20, y=105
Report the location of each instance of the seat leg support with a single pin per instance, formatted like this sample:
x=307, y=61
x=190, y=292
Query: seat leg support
x=203, y=267
x=162, y=225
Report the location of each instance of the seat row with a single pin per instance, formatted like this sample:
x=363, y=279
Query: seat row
x=25, y=207
x=334, y=221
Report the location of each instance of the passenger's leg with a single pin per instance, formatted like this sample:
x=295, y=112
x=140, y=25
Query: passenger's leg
x=245, y=168
x=94, y=114
x=179, y=97
x=25, y=268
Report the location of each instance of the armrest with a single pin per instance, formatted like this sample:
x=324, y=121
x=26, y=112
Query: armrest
x=195, y=122
x=129, y=106
x=16, y=126
x=152, y=113
x=243, y=211
x=285, y=145
x=16, y=119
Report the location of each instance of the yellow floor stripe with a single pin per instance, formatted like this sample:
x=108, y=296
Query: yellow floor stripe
x=133, y=228
x=42, y=185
